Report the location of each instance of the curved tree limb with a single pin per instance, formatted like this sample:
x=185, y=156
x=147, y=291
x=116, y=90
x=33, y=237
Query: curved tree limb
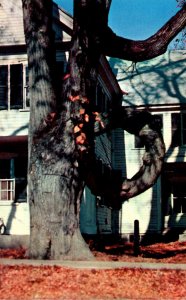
x=116, y=46
x=141, y=124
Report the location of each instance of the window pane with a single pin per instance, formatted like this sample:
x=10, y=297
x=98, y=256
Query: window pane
x=16, y=86
x=4, y=168
x=21, y=178
x=177, y=205
x=27, y=88
x=3, y=86
x=176, y=130
x=179, y=198
x=20, y=172
x=7, y=189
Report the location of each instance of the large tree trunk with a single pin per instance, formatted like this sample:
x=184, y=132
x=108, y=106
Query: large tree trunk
x=55, y=183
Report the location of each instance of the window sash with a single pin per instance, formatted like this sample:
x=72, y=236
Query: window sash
x=178, y=198
x=26, y=96
x=178, y=122
x=7, y=189
x=4, y=87
x=14, y=87
x=179, y=205
x=13, y=179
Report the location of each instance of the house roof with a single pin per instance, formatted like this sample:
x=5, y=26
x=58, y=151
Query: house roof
x=154, y=82
x=11, y=23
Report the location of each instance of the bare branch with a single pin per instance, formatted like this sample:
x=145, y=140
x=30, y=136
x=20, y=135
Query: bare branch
x=116, y=46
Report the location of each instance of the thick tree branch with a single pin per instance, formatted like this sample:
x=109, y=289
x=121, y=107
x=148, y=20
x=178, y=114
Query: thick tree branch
x=41, y=57
x=116, y=46
x=145, y=126
x=141, y=124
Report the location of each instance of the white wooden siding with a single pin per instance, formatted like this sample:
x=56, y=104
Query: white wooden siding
x=146, y=208
x=103, y=149
x=16, y=217
x=13, y=122
x=11, y=22
x=118, y=151
x=160, y=81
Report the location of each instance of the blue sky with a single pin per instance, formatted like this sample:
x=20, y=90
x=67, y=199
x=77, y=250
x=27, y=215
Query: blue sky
x=135, y=19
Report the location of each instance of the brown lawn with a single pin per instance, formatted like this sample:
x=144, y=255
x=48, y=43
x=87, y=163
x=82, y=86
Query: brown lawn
x=54, y=282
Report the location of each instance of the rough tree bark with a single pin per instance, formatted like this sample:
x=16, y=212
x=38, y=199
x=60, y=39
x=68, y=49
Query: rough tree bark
x=62, y=128
x=54, y=177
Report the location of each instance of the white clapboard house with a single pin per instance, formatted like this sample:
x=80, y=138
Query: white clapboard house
x=14, y=119
x=158, y=85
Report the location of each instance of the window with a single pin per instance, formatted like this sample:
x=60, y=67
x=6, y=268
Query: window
x=13, y=179
x=7, y=189
x=178, y=122
x=179, y=199
x=174, y=195
x=14, y=87
x=7, y=185
x=158, y=120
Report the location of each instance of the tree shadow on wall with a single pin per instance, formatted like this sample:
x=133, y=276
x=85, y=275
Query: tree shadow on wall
x=154, y=85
